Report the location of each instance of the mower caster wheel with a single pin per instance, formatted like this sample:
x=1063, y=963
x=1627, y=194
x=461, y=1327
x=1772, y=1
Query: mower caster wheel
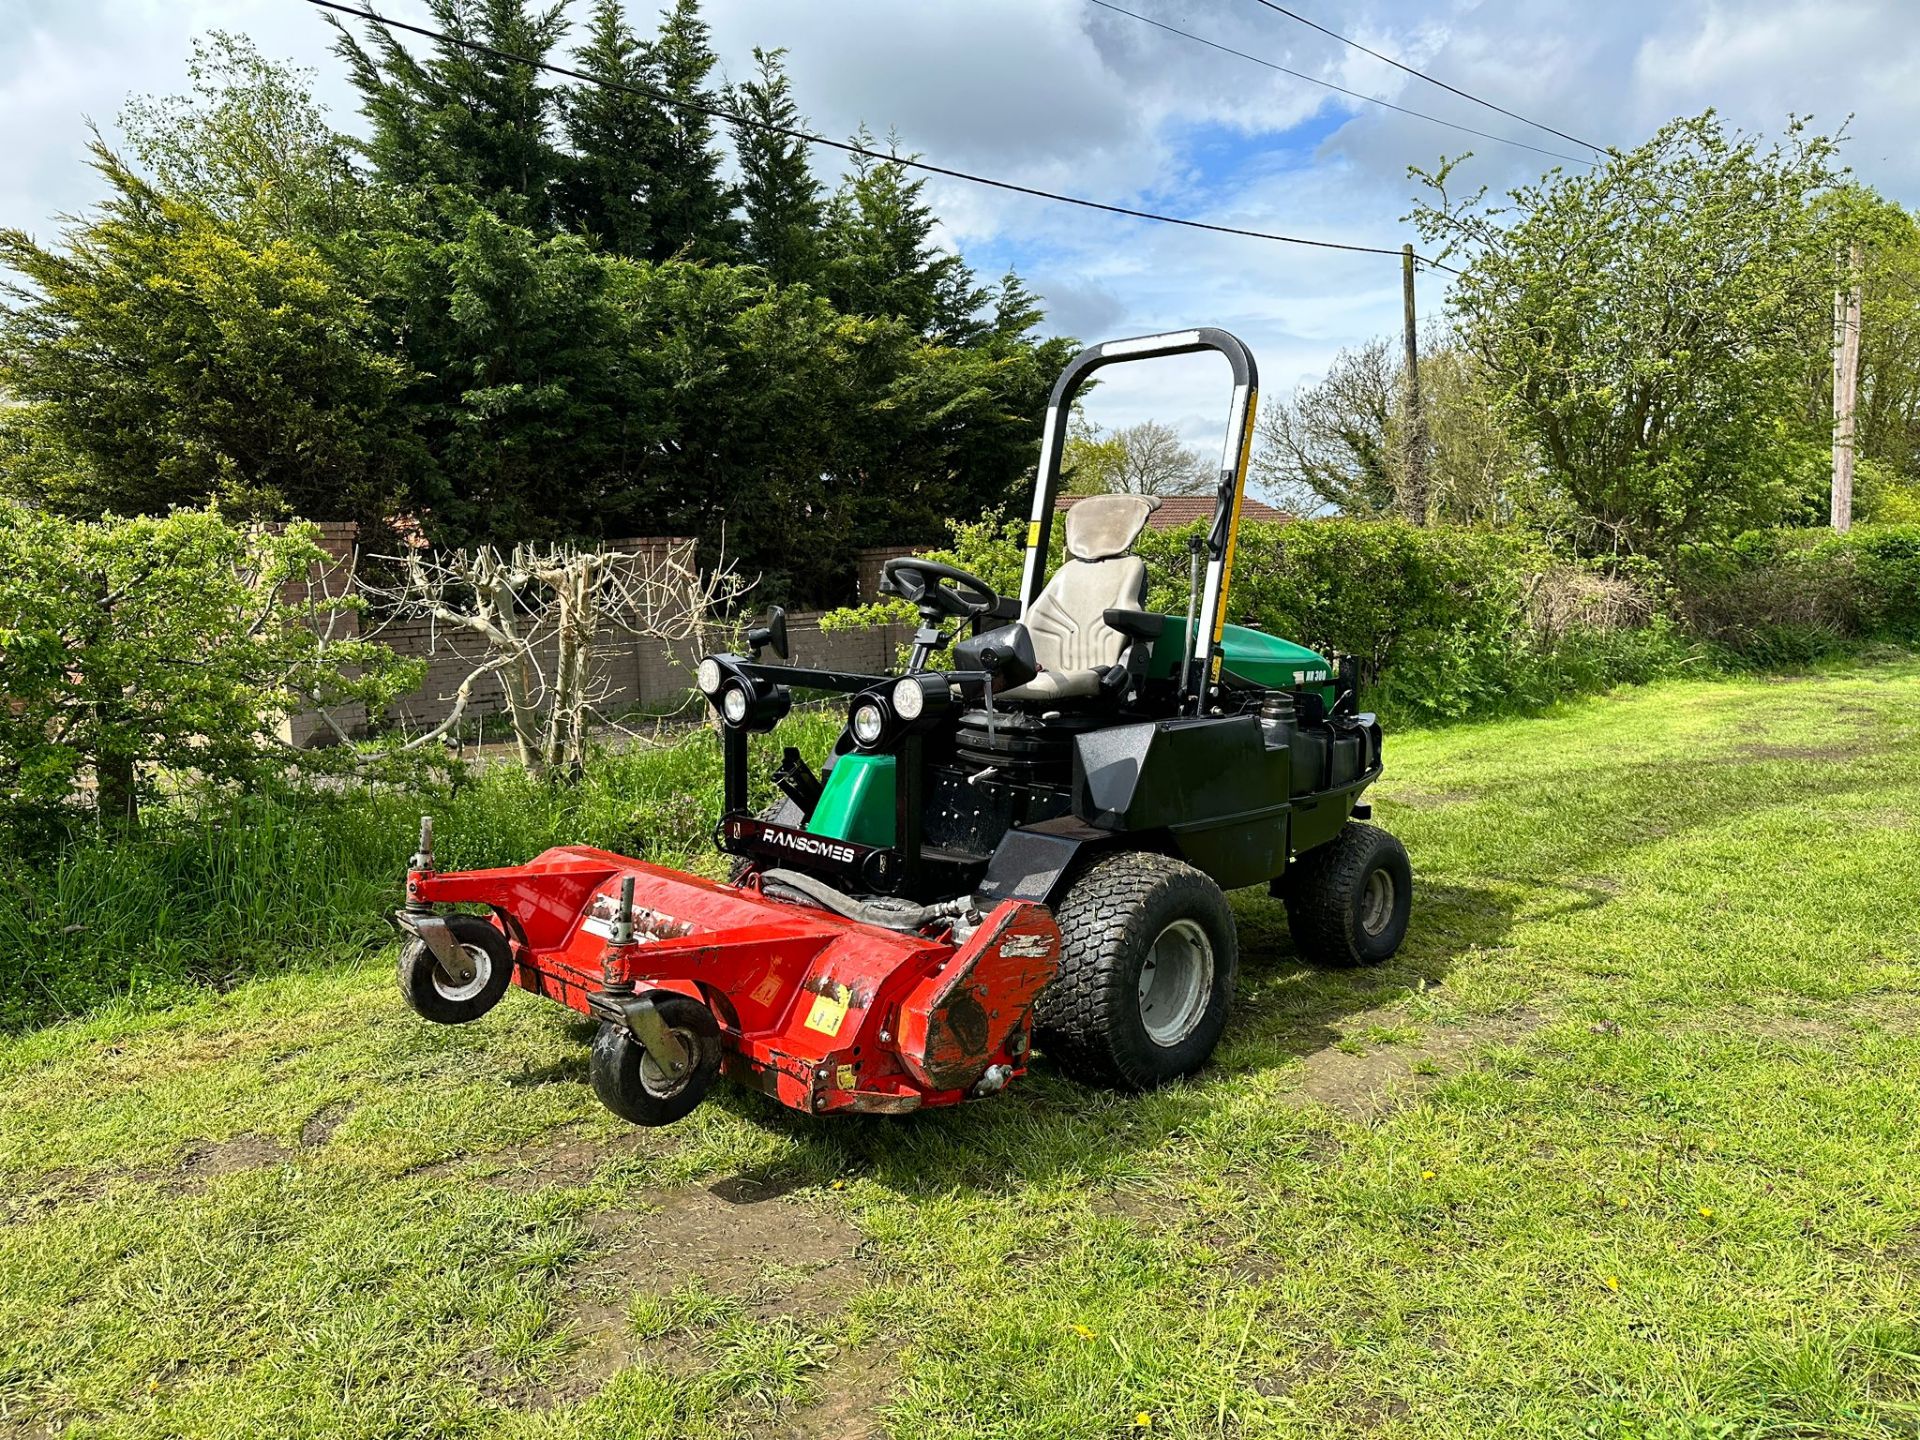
x=437, y=996
x=636, y=1085
x=1147, y=960
x=1348, y=900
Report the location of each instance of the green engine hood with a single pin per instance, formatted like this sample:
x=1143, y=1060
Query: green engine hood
x=1255, y=656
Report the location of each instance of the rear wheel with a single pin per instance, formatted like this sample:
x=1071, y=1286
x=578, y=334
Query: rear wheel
x=645, y=1088
x=1147, y=961
x=444, y=999
x=1348, y=900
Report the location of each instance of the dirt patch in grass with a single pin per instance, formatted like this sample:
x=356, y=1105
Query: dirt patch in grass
x=1414, y=798
x=563, y=1157
x=201, y=1162
x=1837, y=1022
x=1362, y=1077
x=847, y=1396
x=323, y=1122
x=782, y=1258
x=27, y=1429
x=52, y=1190
x=208, y=1160
x=1829, y=754
x=1310, y=1362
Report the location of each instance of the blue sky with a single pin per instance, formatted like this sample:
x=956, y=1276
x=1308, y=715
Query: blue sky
x=1066, y=96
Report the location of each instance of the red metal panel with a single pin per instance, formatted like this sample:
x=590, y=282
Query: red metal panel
x=822, y=1012
x=977, y=1009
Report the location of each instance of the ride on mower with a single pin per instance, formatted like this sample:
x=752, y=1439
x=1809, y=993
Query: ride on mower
x=1027, y=849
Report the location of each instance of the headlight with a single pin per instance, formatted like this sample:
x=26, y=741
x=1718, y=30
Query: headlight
x=733, y=705
x=869, y=722
x=908, y=698
x=919, y=701
x=708, y=677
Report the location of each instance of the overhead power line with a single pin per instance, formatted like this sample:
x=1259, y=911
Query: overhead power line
x=1329, y=85
x=1422, y=75
x=715, y=112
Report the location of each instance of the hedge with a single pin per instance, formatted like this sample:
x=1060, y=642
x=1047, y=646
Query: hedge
x=1783, y=597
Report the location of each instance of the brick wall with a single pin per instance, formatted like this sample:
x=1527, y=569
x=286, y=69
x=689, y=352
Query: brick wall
x=333, y=579
x=870, y=561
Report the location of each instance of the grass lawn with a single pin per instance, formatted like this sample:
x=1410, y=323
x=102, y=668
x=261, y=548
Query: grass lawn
x=1625, y=1143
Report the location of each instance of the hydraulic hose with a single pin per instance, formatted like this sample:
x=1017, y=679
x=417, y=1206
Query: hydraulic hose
x=887, y=917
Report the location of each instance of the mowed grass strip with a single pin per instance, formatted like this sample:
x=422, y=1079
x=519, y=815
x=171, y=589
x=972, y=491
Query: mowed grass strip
x=1623, y=1144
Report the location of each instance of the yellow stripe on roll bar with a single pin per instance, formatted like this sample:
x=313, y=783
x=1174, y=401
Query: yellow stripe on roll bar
x=1233, y=524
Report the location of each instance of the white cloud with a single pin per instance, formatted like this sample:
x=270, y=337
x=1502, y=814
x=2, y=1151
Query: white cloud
x=1066, y=96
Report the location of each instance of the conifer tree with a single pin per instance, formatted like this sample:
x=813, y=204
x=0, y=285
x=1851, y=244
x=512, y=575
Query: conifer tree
x=464, y=117
x=781, y=196
x=618, y=138
x=883, y=260
x=690, y=209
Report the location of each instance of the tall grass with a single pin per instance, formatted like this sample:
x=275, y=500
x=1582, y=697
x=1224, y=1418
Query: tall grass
x=218, y=887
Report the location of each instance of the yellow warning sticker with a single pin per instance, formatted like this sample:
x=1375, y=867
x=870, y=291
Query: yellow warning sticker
x=829, y=1010
x=1033, y=533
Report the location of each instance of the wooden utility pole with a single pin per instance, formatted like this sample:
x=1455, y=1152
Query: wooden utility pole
x=1413, y=495
x=1846, y=387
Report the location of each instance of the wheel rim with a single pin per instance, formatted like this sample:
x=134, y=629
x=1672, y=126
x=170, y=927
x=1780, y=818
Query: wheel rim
x=1176, y=982
x=660, y=1082
x=482, y=964
x=1376, y=903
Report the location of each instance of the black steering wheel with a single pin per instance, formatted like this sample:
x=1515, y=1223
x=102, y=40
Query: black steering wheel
x=937, y=589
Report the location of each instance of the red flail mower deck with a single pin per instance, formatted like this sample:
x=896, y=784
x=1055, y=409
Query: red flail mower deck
x=822, y=1012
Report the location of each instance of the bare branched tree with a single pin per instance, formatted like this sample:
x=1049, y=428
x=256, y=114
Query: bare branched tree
x=1339, y=444
x=544, y=612
x=1143, y=459
x=1336, y=443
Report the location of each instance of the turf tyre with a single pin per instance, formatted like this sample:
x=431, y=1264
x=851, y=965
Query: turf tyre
x=633, y=1087
x=1113, y=920
x=1348, y=900
x=435, y=996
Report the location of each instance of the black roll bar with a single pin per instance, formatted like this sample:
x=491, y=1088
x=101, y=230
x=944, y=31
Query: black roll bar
x=1204, y=639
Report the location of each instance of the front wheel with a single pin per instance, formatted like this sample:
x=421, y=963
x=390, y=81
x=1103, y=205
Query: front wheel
x=1147, y=960
x=1348, y=900
x=650, y=1089
x=444, y=999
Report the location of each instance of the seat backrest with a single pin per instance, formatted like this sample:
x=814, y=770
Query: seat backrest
x=1066, y=621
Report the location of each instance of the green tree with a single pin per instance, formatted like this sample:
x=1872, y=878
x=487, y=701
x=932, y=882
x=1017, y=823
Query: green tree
x=1887, y=414
x=690, y=206
x=1333, y=443
x=882, y=259
x=249, y=144
x=1090, y=459
x=519, y=351
x=424, y=344
x=166, y=358
x=782, y=199
x=1648, y=327
x=617, y=138
x=464, y=117
x=134, y=648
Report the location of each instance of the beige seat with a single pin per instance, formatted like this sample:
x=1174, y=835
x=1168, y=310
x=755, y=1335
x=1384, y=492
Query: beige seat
x=1071, y=639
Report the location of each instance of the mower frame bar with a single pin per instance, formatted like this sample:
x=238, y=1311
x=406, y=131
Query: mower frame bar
x=846, y=682
x=1228, y=492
